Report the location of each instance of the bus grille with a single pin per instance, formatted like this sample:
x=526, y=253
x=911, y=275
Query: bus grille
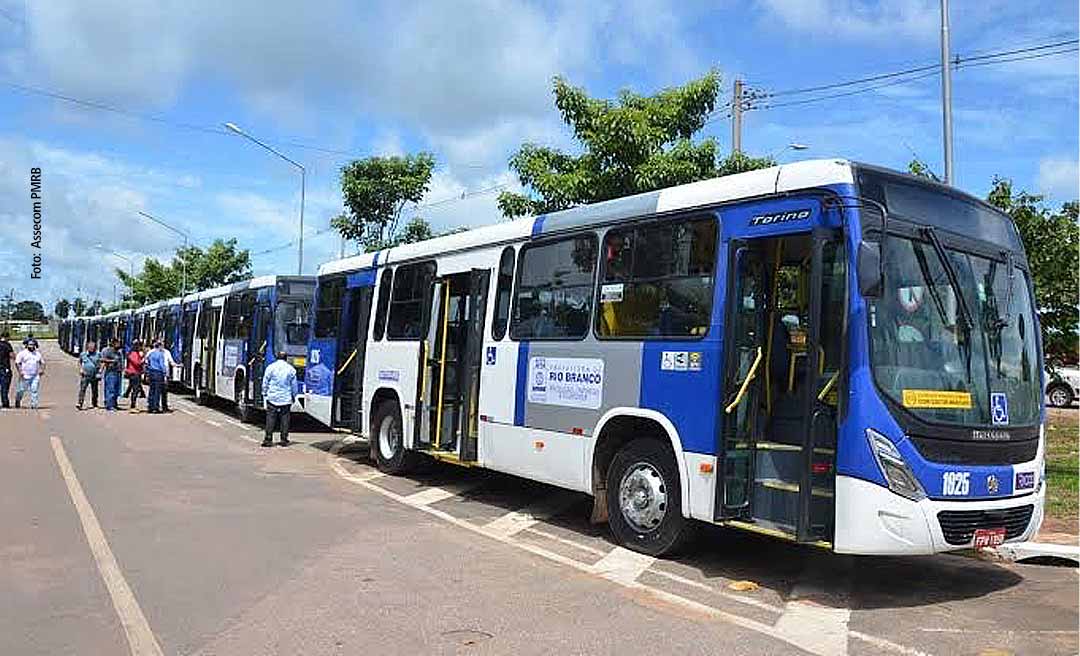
x=967, y=452
x=959, y=526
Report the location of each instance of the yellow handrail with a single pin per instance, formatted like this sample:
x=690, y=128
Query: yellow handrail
x=347, y=362
x=445, y=310
x=828, y=387
x=745, y=384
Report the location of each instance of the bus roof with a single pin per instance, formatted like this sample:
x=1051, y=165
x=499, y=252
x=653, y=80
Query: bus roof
x=775, y=179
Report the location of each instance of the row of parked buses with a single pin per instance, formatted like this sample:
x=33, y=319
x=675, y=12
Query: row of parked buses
x=825, y=352
x=222, y=338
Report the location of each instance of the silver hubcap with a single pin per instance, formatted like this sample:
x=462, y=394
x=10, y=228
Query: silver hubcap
x=389, y=437
x=643, y=497
x=1059, y=397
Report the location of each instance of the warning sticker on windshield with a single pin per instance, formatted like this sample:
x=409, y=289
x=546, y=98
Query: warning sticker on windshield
x=940, y=399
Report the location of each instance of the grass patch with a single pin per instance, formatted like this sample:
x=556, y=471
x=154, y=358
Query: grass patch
x=1062, y=465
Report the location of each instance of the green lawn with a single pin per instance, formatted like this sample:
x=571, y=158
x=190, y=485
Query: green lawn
x=1062, y=463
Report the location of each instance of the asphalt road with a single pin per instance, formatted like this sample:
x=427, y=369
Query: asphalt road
x=178, y=534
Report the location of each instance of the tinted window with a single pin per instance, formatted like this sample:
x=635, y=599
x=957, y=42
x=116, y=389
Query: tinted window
x=503, y=289
x=384, y=304
x=658, y=280
x=555, y=289
x=407, y=301
x=328, y=306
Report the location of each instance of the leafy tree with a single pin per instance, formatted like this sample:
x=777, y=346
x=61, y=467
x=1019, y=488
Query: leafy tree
x=61, y=309
x=375, y=191
x=78, y=306
x=920, y=169
x=221, y=263
x=1052, y=242
x=28, y=311
x=632, y=145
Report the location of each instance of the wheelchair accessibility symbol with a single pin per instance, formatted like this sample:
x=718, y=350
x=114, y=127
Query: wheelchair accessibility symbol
x=999, y=408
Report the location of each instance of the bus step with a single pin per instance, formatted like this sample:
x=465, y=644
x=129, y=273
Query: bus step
x=787, y=486
x=444, y=456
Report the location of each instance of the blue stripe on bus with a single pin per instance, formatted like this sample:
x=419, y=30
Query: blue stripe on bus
x=538, y=225
x=521, y=380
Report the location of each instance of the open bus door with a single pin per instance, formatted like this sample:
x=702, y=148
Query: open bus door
x=450, y=386
x=783, y=350
x=258, y=347
x=348, y=410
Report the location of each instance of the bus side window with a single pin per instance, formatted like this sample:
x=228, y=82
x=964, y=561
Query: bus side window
x=412, y=284
x=555, y=289
x=328, y=306
x=503, y=290
x=384, y=304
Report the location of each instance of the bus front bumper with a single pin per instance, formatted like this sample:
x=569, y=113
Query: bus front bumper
x=872, y=520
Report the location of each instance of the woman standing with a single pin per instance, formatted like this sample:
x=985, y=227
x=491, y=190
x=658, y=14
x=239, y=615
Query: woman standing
x=133, y=372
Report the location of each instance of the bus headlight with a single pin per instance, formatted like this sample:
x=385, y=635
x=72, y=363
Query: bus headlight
x=899, y=476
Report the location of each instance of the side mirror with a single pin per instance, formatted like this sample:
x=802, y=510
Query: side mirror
x=868, y=269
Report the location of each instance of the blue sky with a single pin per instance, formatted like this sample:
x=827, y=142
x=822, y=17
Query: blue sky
x=468, y=81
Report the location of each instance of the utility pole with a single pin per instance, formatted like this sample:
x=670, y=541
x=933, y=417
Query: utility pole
x=946, y=92
x=736, y=117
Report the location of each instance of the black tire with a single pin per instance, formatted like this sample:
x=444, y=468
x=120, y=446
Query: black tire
x=1060, y=395
x=658, y=526
x=388, y=440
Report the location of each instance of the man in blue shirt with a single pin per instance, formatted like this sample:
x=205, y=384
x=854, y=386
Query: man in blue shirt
x=156, y=369
x=89, y=366
x=279, y=392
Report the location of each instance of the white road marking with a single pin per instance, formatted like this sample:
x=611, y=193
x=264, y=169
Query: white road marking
x=516, y=521
x=140, y=638
x=622, y=565
x=815, y=628
x=882, y=643
x=437, y=494
x=212, y=422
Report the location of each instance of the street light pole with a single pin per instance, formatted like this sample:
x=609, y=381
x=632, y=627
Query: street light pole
x=183, y=260
x=232, y=127
x=946, y=93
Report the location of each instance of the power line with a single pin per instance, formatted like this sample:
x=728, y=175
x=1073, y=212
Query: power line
x=918, y=73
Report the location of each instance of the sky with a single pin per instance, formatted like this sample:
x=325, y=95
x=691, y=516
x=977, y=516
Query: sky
x=329, y=81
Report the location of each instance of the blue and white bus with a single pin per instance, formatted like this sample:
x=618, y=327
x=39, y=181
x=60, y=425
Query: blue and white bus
x=825, y=352
x=234, y=331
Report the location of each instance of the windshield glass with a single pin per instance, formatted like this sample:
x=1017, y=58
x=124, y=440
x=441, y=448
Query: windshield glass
x=930, y=362
x=291, y=323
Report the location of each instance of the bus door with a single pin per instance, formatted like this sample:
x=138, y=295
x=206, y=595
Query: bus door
x=451, y=384
x=784, y=345
x=352, y=346
x=210, y=347
x=258, y=346
x=187, y=343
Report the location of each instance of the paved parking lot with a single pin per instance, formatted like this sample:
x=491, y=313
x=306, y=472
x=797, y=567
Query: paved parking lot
x=177, y=534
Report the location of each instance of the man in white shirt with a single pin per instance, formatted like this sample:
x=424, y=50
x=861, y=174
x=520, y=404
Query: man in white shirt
x=279, y=391
x=31, y=366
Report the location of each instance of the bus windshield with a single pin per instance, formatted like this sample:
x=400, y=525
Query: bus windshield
x=291, y=323
x=937, y=365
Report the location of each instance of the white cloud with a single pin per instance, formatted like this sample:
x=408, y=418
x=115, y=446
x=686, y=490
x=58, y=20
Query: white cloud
x=857, y=19
x=1059, y=178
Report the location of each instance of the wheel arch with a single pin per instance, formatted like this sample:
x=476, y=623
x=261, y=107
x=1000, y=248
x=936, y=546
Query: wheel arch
x=619, y=426
x=379, y=396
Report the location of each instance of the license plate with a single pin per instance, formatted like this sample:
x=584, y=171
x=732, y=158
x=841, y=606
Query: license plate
x=989, y=537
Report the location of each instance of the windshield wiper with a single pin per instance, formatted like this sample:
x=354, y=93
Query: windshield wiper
x=1004, y=321
x=954, y=280
x=924, y=268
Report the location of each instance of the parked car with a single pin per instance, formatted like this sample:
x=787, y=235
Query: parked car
x=1063, y=386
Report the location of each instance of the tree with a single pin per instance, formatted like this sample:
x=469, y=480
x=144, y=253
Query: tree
x=919, y=168
x=375, y=191
x=96, y=307
x=28, y=311
x=221, y=263
x=61, y=309
x=78, y=306
x=1052, y=240
x=632, y=145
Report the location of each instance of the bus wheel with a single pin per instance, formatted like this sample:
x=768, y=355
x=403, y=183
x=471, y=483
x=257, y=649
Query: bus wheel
x=1060, y=395
x=390, y=453
x=644, y=500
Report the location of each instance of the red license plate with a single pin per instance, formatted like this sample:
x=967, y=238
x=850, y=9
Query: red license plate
x=989, y=537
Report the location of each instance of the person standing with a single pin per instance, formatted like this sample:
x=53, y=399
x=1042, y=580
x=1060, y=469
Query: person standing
x=31, y=366
x=157, y=369
x=7, y=357
x=89, y=369
x=112, y=363
x=279, y=393
x=133, y=372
